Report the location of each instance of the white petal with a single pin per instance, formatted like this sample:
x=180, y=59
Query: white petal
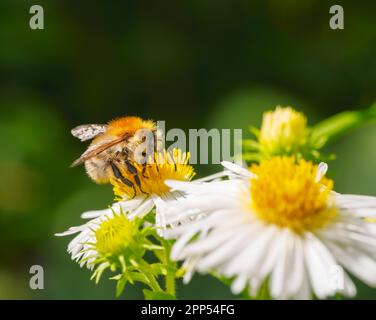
x=361, y=265
x=321, y=171
x=223, y=253
x=319, y=262
x=304, y=292
x=238, y=284
x=236, y=169
x=180, y=244
x=279, y=273
x=143, y=209
x=95, y=213
x=248, y=260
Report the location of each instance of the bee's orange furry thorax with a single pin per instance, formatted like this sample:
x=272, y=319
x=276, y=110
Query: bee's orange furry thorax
x=124, y=125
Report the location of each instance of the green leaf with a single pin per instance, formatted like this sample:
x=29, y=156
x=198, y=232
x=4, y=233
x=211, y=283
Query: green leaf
x=120, y=285
x=157, y=295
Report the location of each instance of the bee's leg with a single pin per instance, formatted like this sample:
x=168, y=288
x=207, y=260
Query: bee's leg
x=130, y=167
x=143, y=170
x=129, y=183
x=133, y=170
x=126, y=181
x=125, y=153
x=138, y=182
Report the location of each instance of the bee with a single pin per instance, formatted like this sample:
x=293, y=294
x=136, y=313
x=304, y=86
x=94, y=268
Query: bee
x=114, y=146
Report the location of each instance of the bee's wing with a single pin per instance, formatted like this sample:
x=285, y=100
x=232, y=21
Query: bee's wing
x=88, y=131
x=97, y=148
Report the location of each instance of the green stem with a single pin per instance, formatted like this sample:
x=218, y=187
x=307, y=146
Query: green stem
x=171, y=270
x=339, y=124
x=170, y=283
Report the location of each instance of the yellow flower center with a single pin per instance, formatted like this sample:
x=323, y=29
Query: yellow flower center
x=114, y=235
x=150, y=177
x=283, y=131
x=291, y=194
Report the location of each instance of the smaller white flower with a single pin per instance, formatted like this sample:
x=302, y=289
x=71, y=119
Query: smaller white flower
x=82, y=248
x=153, y=194
x=278, y=222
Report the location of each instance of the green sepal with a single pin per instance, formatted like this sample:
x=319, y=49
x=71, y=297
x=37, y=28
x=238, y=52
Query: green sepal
x=256, y=132
x=251, y=156
x=250, y=144
x=99, y=271
x=120, y=285
x=158, y=269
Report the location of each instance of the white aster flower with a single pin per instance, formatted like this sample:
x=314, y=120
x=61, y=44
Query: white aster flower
x=278, y=222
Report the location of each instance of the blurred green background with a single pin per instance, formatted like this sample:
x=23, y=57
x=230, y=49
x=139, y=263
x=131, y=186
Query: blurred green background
x=195, y=64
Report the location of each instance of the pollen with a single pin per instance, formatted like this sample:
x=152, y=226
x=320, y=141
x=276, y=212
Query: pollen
x=114, y=235
x=283, y=131
x=149, y=178
x=291, y=193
